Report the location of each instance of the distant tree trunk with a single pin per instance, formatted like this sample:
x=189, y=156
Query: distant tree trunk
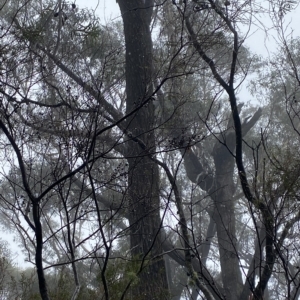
x=143, y=179
x=224, y=216
x=221, y=188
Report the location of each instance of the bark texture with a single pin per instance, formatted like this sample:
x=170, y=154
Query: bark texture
x=143, y=182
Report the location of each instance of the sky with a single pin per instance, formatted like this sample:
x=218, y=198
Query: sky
x=106, y=9
x=260, y=42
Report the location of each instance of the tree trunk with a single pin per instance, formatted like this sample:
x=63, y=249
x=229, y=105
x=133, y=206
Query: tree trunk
x=143, y=179
x=224, y=216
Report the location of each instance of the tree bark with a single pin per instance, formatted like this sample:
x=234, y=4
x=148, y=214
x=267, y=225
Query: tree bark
x=143, y=178
x=224, y=216
x=39, y=251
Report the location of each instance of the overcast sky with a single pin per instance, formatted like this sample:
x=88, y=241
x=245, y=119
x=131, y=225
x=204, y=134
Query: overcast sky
x=260, y=42
x=106, y=9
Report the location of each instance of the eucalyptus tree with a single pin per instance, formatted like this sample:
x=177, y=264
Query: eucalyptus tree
x=126, y=143
x=280, y=88
x=71, y=114
x=263, y=202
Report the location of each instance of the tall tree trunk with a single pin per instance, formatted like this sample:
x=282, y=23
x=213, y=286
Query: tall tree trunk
x=143, y=179
x=224, y=216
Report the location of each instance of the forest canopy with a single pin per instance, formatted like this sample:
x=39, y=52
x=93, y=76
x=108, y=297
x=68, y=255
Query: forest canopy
x=155, y=156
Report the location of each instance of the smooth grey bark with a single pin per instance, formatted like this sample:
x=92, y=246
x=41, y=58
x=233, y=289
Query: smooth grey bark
x=224, y=216
x=226, y=154
x=177, y=255
x=254, y=265
x=204, y=250
x=221, y=188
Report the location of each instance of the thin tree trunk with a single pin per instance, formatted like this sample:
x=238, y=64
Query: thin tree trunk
x=39, y=251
